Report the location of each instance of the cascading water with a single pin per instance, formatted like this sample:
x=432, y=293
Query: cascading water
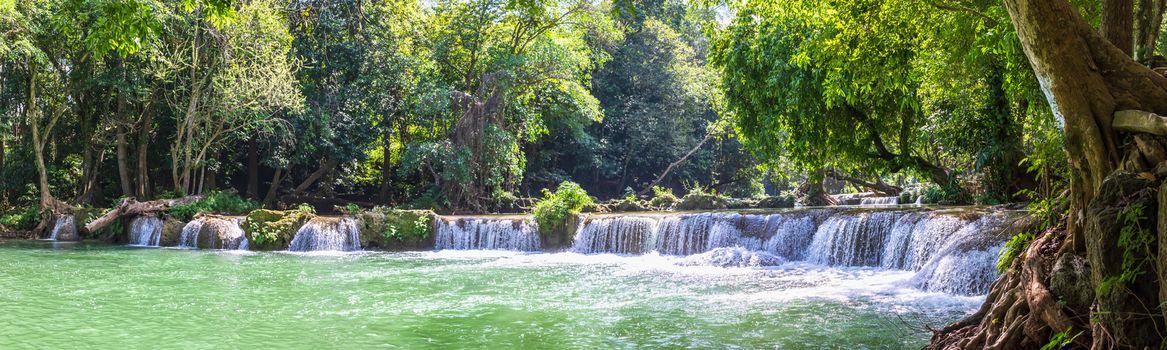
x=190, y=234
x=64, y=228
x=879, y=201
x=486, y=233
x=327, y=234
x=951, y=253
x=213, y=233
x=146, y=231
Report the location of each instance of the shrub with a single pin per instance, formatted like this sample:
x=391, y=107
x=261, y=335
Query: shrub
x=555, y=208
x=22, y=220
x=700, y=199
x=662, y=198
x=214, y=202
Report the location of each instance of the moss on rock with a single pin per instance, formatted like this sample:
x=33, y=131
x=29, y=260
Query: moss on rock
x=396, y=229
x=273, y=229
x=698, y=200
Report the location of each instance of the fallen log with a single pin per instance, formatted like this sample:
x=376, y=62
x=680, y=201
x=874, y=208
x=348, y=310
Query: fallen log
x=129, y=207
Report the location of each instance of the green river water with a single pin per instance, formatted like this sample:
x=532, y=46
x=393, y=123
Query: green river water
x=79, y=295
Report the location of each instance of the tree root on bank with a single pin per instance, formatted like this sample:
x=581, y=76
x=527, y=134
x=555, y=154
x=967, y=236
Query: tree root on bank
x=1020, y=312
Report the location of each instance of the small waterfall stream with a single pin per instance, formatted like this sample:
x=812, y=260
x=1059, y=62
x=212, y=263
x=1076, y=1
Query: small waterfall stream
x=213, y=233
x=64, y=229
x=146, y=231
x=486, y=233
x=869, y=201
x=327, y=234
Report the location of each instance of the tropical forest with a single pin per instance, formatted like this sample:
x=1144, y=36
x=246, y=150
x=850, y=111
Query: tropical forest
x=583, y=174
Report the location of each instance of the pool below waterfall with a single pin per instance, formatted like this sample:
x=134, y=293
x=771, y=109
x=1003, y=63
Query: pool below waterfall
x=82, y=295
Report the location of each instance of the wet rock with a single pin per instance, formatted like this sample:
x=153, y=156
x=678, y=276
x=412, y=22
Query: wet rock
x=732, y=257
x=1105, y=221
x=171, y=232
x=1070, y=282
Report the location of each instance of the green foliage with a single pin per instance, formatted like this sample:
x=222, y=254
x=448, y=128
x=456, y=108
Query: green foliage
x=352, y=208
x=1137, y=243
x=1046, y=213
x=21, y=220
x=1013, y=249
x=1060, y=340
x=227, y=203
x=699, y=198
x=663, y=198
x=555, y=208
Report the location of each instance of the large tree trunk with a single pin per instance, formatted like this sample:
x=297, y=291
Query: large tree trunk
x=274, y=189
x=386, y=169
x=1147, y=23
x=130, y=207
x=326, y=165
x=123, y=163
x=1086, y=80
x=143, y=152
x=252, y=168
x=1117, y=19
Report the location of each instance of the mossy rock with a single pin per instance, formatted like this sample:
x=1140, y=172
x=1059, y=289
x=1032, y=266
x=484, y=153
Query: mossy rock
x=171, y=232
x=776, y=202
x=625, y=205
x=396, y=229
x=273, y=229
x=702, y=201
x=559, y=236
x=741, y=203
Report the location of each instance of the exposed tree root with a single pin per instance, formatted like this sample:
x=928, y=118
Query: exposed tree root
x=1020, y=312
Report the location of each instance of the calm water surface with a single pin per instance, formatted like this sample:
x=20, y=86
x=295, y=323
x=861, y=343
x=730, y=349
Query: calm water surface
x=78, y=295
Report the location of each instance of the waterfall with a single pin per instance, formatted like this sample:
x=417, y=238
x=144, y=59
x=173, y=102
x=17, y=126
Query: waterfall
x=146, y=231
x=965, y=262
x=952, y=251
x=486, y=233
x=327, y=234
x=190, y=234
x=64, y=224
x=879, y=201
x=620, y=235
x=213, y=233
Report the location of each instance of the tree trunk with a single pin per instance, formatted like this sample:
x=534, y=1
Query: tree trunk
x=386, y=166
x=1086, y=80
x=1148, y=21
x=123, y=160
x=252, y=168
x=143, y=152
x=130, y=207
x=1117, y=21
x=326, y=165
x=674, y=164
x=878, y=186
x=273, y=190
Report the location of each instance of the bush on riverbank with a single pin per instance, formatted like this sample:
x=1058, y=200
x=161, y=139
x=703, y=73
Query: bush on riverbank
x=662, y=198
x=557, y=211
x=21, y=220
x=227, y=203
x=700, y=199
